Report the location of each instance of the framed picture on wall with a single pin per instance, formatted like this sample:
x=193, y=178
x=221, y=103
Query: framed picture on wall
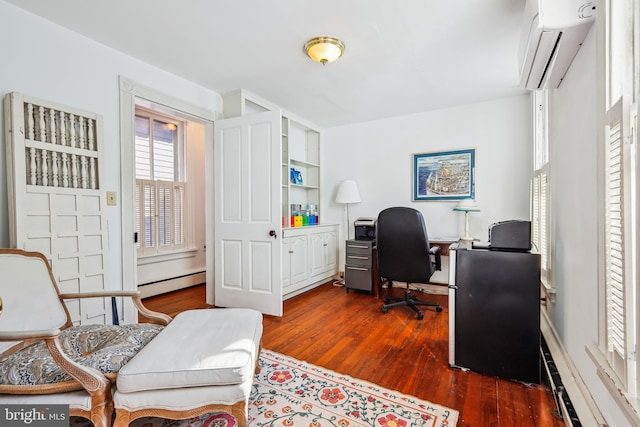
x=444, y=175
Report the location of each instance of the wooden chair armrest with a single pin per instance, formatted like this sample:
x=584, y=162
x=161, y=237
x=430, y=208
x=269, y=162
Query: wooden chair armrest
x=153, y=316
x=28, y=335
x=92, y=380
x=99, y=294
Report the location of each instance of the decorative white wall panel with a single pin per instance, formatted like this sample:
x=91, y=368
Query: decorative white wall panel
x=56, y=205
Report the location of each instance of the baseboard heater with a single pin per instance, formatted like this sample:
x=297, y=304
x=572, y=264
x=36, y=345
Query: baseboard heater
x=171, y=278
x=162, y=286
x=565, y=408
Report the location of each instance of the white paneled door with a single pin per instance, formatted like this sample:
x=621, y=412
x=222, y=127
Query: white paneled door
x=247, y=236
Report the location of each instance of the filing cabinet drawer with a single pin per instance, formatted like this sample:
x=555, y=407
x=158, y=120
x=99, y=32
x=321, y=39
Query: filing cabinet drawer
x=359, y=247
x=358, y=277
x=360, y=260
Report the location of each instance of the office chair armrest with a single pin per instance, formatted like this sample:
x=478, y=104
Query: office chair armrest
x=435, y=251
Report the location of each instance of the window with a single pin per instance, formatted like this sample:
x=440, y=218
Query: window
x=540, y=194
x=619, y=251
x=160, y=184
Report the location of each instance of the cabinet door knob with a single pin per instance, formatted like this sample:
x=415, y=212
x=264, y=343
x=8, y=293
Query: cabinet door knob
x=273, y=234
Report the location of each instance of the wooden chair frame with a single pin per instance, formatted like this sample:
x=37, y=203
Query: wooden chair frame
x=96, y=384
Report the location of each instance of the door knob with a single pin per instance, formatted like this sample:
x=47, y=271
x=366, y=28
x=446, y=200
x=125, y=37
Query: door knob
x=273, y=234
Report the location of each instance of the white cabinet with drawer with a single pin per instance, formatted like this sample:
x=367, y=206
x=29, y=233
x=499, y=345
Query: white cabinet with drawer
x=310, y=257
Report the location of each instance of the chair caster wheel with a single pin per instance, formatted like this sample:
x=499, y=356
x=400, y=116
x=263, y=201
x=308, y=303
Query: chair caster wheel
x=385, y=309
x=438, y=309
x=420, y=316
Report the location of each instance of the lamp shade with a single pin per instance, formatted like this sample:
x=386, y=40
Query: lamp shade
x=324, y=49
x=348, y=192
x=467, y=205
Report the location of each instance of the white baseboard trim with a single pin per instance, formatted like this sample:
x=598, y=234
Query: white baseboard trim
x=438, y=284
x=307, y=288
x=427, y=288
x=581, y=398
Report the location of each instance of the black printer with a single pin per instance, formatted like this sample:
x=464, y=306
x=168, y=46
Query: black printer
x=512, y=235
x=365, y=229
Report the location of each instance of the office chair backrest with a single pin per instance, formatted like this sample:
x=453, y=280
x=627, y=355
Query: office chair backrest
x=403, y=246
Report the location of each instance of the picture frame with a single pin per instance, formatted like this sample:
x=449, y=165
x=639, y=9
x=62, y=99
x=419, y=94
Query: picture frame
x=444, y=175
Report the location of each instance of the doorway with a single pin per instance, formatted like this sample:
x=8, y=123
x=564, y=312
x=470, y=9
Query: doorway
x=177, y=256
x=170, y=230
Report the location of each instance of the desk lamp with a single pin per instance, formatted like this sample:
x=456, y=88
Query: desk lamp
x=348, y=193
x=466, y=206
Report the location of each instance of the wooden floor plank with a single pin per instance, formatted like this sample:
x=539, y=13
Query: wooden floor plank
x=348, y=333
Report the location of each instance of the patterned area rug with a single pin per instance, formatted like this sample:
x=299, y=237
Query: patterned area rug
x=288, y=392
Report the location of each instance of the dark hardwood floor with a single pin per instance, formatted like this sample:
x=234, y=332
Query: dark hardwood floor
x=348, y=333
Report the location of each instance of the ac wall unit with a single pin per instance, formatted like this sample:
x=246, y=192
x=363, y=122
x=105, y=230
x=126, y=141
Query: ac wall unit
x=552, y=33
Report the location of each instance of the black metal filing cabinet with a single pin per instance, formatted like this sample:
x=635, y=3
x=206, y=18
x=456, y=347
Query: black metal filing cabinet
x=359, y=265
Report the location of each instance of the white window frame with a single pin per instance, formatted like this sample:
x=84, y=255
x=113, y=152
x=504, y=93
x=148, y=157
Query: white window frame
x=175, y=244
x=541, y=198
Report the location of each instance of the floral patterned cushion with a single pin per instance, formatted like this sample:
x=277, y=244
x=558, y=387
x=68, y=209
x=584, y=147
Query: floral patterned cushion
x=106, y=348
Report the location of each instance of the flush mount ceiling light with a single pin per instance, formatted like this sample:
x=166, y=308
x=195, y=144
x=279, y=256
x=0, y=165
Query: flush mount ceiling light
x=324, y=49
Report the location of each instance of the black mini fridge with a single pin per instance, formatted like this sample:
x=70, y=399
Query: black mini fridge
x=494, y=313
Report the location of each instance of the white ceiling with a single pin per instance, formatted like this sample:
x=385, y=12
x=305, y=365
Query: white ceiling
x=402, y=56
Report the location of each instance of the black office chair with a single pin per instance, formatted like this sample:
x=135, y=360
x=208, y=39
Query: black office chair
x=404, y=254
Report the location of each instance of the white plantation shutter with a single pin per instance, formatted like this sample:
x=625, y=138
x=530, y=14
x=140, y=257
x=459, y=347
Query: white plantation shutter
x=164, y=213
x=541, y=219
x=138, y=217
x=618, y=279
x=535, y=226
x=615, y=242
x=161, y=215
x=179, y=190
x=544, y=228
x=146, y=216
x=540, y=203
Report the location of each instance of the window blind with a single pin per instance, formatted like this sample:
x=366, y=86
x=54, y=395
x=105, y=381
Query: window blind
x=618, y=294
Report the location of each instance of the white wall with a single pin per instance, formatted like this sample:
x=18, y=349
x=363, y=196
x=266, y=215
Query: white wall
x=574, y=162
x=44, y=60
x=378, y=155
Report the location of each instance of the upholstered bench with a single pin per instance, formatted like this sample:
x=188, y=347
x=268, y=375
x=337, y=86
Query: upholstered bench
x=203, y=361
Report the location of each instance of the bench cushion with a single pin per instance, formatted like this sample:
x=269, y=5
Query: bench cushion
x=198, y=348
x=183, y=399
